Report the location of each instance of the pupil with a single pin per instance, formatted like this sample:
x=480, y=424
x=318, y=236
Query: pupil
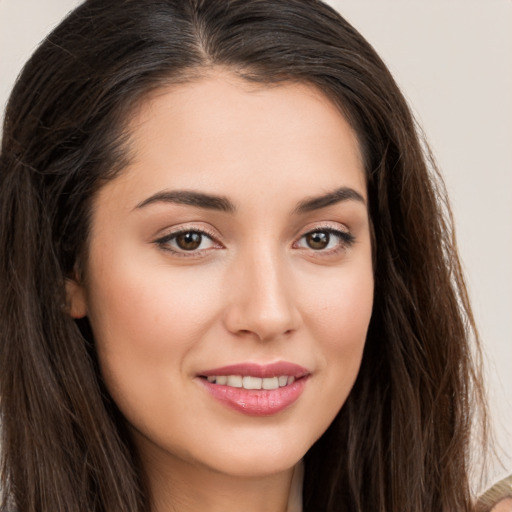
x=189, y=241
x=318, y=240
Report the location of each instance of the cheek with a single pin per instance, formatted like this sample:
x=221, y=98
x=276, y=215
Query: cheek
x=341, y=305
x=341, y=315
x=138, y=297
x=145, y=316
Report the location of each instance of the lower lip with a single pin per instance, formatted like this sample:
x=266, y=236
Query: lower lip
x=257, y=402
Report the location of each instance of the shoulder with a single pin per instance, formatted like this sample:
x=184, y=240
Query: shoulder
x=504, y=505
x=498, y=498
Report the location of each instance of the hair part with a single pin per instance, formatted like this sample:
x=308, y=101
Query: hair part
x=401, y=440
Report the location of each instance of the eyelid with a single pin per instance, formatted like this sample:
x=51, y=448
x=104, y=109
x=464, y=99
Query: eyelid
x=330, y=226
x=347, y=238
x=162, y=241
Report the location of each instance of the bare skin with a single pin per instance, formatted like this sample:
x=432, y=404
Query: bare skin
x=503, y=506
x=282, y=271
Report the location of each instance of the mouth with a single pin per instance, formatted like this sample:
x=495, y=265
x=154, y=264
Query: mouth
x=257, y=390
x=251, y=382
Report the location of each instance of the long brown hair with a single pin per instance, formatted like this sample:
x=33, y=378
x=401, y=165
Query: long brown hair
x=400, y=442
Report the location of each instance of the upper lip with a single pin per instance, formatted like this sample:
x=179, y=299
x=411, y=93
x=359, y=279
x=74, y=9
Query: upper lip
x=259, y=370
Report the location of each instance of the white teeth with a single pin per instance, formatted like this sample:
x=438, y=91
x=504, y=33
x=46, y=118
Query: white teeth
x=270, y=383
x=235, y=381
x=250, y=382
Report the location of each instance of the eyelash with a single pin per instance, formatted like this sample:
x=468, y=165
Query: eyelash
x=163, y=242
x=346, y=241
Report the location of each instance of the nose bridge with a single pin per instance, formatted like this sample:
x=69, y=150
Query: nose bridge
x=262, y=301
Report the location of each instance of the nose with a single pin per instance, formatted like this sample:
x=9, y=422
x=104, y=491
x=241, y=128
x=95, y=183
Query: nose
x=262, y=303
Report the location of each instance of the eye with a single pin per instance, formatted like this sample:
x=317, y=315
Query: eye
x=189, y=241
x=325, y=239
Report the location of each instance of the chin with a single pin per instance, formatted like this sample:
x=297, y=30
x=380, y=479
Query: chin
x=257, y=466
x=258, y=459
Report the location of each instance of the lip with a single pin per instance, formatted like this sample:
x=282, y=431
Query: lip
x=259, y=370
x=260, y=402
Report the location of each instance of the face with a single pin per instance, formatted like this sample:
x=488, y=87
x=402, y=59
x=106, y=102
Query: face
x=229, y=282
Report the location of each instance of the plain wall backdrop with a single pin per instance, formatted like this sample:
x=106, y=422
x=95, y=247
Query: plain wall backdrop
x=453, y=61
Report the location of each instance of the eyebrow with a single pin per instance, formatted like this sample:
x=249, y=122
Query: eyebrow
x=223, y=204
x=190, y=198
x=337, y=196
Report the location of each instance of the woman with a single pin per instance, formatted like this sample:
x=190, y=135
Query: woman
x=226, y=263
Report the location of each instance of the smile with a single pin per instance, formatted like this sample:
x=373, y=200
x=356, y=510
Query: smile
x=250, y=382
x=256, y=390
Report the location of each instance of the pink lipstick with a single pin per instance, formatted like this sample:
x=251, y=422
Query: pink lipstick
x=254, y=389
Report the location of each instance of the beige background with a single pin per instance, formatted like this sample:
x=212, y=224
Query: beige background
x=453, y=60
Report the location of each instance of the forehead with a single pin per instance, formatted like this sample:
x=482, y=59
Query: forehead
x=221, y=132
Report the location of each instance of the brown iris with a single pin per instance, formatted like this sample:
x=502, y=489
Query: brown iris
x=318, y=240
x=189, y=241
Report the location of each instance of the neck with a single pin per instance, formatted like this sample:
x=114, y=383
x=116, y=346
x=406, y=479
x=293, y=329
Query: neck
x=216, y=493
x=178, y=485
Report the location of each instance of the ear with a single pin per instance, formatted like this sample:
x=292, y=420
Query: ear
x=76, y=304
